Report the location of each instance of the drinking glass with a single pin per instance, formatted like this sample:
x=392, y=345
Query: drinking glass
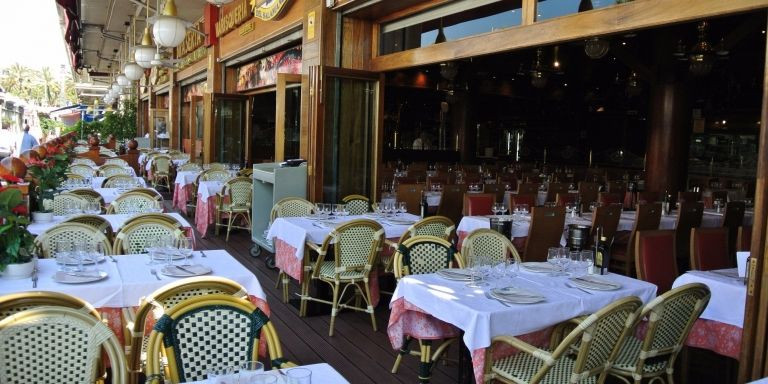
x=495, y=208
x=588, y=260
x=477, y=264
x=502, y=208
x=249, y=370
x=402, y=207
x=564, y=260
x=63, y=253
x=318, y=209
x=94, y=208
x=261, y=378
x=513, y=268
x=158, y=207
x=185, y=248
x=221, y=375
x=338, y=210
x=553, y=255
x=523, y=209
x=80, y=251
x=574, y=258
x=299, y=376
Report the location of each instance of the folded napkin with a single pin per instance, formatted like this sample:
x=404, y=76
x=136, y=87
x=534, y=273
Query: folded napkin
x=537, y=266
x=595, y=283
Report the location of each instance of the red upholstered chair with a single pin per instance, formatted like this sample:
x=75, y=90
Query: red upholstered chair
x=647, y=218
x=605, y=198
x=545, y=231
x=646, y=197
x=709, y=249
x=689, y=197
x=525, y=198
x=733, y=219
x=744, y=238
x=655, y=260
x=689, y=216
x=526, y=188
x=478, y=204
x=561, y=199
x=554, y=188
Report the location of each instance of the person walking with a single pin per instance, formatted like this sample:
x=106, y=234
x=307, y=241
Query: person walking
x=27, y=140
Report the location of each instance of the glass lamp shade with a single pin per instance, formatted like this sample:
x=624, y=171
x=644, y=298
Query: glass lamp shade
x=219, y=3
x=596, y=47
x=144, y=54
x=133, y=71
x=123, y=81
x=169, y=31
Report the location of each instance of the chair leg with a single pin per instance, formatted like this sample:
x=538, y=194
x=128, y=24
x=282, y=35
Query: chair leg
x=229, y=224
x=370, y=303
x=404, y=350
x=285, y=288
x=425, y=366
x=304, y=293
x=335, y=307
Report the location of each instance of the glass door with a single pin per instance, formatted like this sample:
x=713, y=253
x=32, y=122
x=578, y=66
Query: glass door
x=346, y=113
x=229, y=126
x=288, y=117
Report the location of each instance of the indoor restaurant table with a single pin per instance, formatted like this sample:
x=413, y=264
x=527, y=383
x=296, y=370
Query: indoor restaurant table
x=129, y=279
x=719, y=327
x=428, y=306
x=322, y=373
x=290, y=234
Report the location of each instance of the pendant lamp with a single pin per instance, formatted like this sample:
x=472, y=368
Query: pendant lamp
x=169, y=30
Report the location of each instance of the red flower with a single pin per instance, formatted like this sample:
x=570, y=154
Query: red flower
x=20, y=210
x=11, y=178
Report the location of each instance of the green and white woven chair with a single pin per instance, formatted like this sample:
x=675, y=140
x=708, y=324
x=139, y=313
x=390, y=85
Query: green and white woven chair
x=415, y=256
x=63, y=201
x=46, y=241
x=289, y=207
x=215, y=175
x=98, y=222
x=356, y=246
x=161, y=171
x=148, y=191
x=670, y=318
x=117, y=161
x=189, y=167
x=217, y=167
x=162, y=300
x=135, y=237
x=89, y=194
x=207, y=332
x=133, y=203
x=234, y=202
x=583, y=356
x=83, y=160
x=438, y=226
x=108, y=170
x=113, y=181
x=82, y=170
x=57, y=345
x=357, y=204
x=488, y=243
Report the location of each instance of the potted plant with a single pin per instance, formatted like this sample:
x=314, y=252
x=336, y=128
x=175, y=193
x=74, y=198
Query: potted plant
x=47, y=173
x=17, y=245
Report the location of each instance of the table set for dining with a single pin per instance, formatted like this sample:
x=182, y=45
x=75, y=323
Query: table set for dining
x=115, y=220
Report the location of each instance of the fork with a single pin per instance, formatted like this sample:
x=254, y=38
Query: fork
x=489, y=297
x=112, y=258
x=202, y=254
x=34, y=277
x=154, y=272
x=569, y=285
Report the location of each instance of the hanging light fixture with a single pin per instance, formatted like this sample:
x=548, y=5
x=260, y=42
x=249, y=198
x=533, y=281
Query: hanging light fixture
x=146, y=51
x=539, y=76
x=132, y=70
x=440, y=34
x=596, y=48
x=169, y=30
x=701, y=58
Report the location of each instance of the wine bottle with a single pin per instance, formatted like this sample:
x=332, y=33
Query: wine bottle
x=598, y=265
x=423, y=205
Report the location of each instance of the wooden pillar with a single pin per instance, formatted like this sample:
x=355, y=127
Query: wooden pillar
x=172, y=125
x=214, y=84
x=670, y=126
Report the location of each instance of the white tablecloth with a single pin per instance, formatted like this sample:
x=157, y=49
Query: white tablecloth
x=97, y=181
x=728, y=294
x=207, y=189
x=482, y=319
x=175, y=162
x=130, y=279
x=115, y=220
x=186, y=177
x=297, y=230
x=321, y=373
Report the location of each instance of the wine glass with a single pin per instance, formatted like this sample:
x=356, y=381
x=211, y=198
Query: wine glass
x=476, y=268
x=318, y=209
x=495, y=209
x=553, y=256
x=402, y=207
x=588, y=260
x=502, y=208
x=564, y=260
x=185, y=248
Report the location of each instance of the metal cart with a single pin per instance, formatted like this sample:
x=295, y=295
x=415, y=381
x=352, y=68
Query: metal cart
x=271, y=183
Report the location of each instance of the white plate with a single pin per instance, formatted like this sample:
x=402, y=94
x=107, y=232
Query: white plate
x=191, y=270
x=396, y=221
x=517, y=295
x=79, y=277
x=164, y=256
x=86, y=261
x=539, y=267
x=455, y=274
x=590, y=282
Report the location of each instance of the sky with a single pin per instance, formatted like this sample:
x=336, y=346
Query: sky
x=31, y=35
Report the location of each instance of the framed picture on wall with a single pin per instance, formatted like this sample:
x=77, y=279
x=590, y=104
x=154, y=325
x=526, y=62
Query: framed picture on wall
x=160, y=127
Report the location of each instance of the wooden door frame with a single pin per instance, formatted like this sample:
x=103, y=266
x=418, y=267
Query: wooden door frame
x=283, y=79
x=209, y=135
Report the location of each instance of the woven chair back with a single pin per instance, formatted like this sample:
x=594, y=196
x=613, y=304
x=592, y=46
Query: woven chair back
x=82, y=170
x=189, y=167
x=546, y=230
x=14, y=303
x=528, y=188
x=240, y=190
x=410, y=194
x=357, y=204
x=438, y=226
x=153, y=193
x=215, y=175
x=83, y=160
x=217, y=167
x=451, y=201
x=113, y=181
x=112, y=169
x=154, y=216
x=136, y=237
x=709, y=249
x=424, y=254
x=70, y=232
x=478, y=204
x=554, y=188
x=291, y=207
x=133, y=203
x=116, y=161
x=161, y=165
x=357, y=244
x=655, y=261
x=98, y=222
x=63, y=201
x=33, y=350
x=89, y=194
x=488, y=243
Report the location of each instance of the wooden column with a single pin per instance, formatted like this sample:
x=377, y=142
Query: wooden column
x=754, y=345
x=213, y=85
x=670, y=126
x=172, y=125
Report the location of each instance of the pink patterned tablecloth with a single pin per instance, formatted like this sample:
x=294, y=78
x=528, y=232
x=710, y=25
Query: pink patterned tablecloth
x=721, y=338
x=180, y=196
x=205, y=213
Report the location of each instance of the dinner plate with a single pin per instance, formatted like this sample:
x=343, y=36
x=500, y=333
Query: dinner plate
x=591, y=282
x=185, y=270
x=517, y=295
x=455, y=274
x=163, y=256
x=397, y=221
x=79, y=277
x=87, y=260
x=539, y=267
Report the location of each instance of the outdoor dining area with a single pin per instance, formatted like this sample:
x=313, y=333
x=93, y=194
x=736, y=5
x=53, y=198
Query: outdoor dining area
x=510, y=278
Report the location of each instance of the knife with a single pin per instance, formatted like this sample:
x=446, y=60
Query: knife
x=185, y=270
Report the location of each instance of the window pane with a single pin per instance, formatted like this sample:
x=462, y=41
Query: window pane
x=548, y=9
x=230, y=128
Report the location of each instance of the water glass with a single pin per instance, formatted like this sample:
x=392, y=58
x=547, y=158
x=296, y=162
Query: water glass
x=513, y=268
x=80, y=251
x=185, y=248
x=250, y=370
x=63, y=253
x=219, y=375
x=299, y=376
x=478, y=267
x=588, y=260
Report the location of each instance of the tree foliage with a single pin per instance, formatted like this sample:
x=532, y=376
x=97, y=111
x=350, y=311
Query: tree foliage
x=38, y=87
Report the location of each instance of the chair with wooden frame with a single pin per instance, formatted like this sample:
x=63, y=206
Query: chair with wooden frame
x=357, y=204
x=440, y=179
x=451, y=200
x=744, y=238
x=189, y=167
x=46, y=241
x=528, y=188
x=108, y=170
x=96, y=221
x=161, y=171
x=689, y=215
x=154, y=216
x=688, y=197
x=193, y=337
x=587, y=351
x=478, y=204
x=606, y=198
x=117, y=161
x=90, y=195
x=647, y=217
x=134, y=238
x=113, y=181
x=217, y=167
x=149, y=192
x=645, y=197
x=525, y=199
x=58, y=344
x=655, y=260
x=63, y=201
x=488, y=243
x=159, y=302
x=554, y=188
x=410, y=194
x=733, y=219
x=561, y=199
x=607, y=218
x=356, y=245
x=82, y=170
x=215, y=175
x=437, y=226
x=14, y=303
x=670, y=318
x=617, y=186
x=233, y=203
x=709, y=249
x=132, y=203
x=496, y=189
x=289, y=207
x=588, y=192
x=546, y=231
x=415, y=256
x=73, y=176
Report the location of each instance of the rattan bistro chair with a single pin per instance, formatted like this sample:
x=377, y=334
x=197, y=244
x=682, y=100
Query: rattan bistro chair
x=233, y=203
x=57, y=345
x=133, y=202
x=595, y=342
x=162, y=300
x=419, y=255
x=215, y=175
x=46, y=241
x=117, y=161
x=207, y=332
x=96, y=221
x=90, y=195
x=490, y=243
x=108, y=170
x=62, y=202
x=670, y=318
x=113, y=181
x=14, y=303
x=161, y=171
x=357, y=204
x=134, y=238
x=356, y=245
x=82, y=170
x=438, y=226
x=291, y=207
